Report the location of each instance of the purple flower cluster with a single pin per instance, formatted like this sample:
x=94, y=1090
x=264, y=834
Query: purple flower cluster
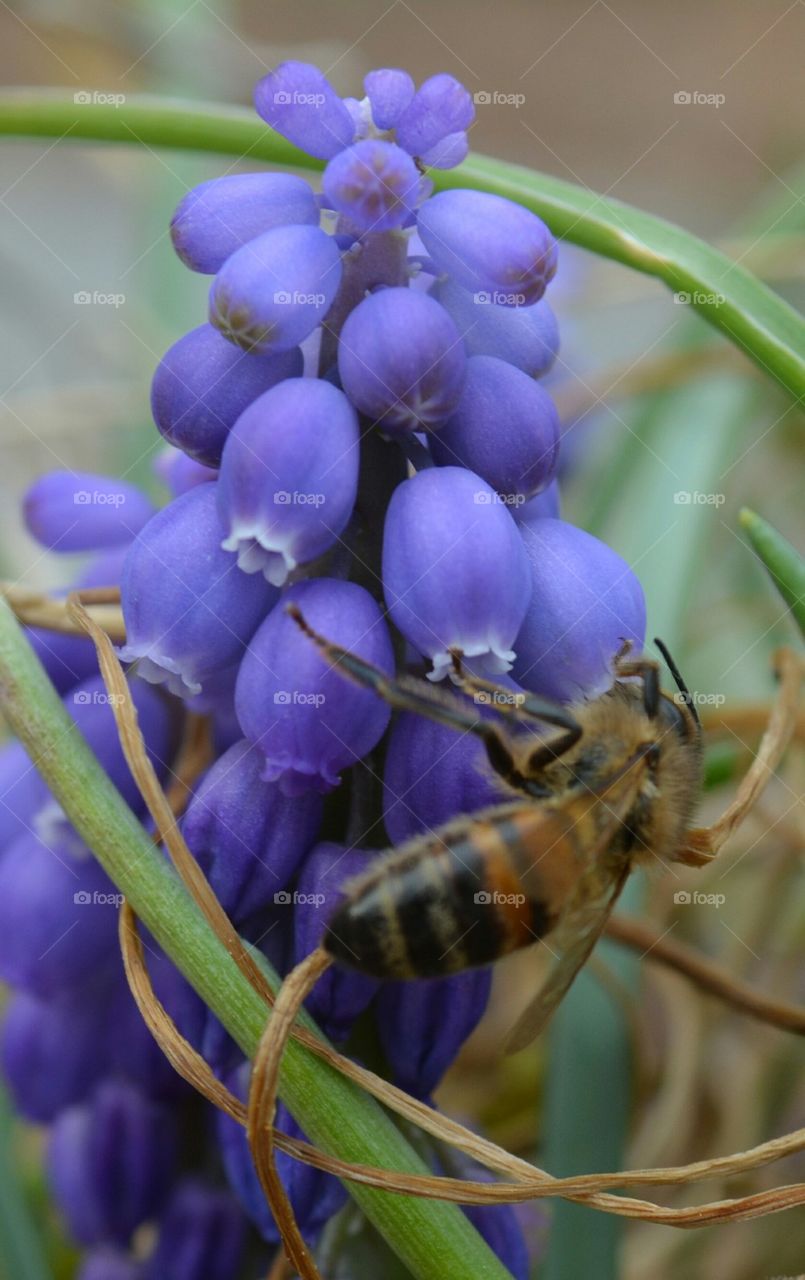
x=360, y=430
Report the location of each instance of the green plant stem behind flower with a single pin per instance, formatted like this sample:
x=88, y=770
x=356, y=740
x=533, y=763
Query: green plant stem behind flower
x=435, y=1241
x=784, y=563
x=749, y=314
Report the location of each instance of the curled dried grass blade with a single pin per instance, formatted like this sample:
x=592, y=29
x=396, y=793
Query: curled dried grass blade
x=532, y=1183
x=703, y=843
x=263, y=1105
x=36, y=609
x=705, y=974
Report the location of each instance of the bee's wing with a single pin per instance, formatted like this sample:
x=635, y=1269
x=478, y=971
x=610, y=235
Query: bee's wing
x=582, y=926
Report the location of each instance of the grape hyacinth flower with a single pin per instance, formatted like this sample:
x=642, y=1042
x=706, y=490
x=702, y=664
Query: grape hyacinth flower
x=201, y=1236
x=447, y=540
x=188, y=611
x=222, y=215
x=504, y=428
x=81, y=511
x=246, y=834
x=357, y=431
x=271, y=294
x=525, y=337
x=585, y=603
x=305, y=719
x=289, y=477
x=110, y=1163
x=203, y=384
x=401, y=362
x=489, y=245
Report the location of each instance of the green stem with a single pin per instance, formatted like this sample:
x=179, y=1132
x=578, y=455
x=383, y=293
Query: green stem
x=435, y=1241
x=749, y=314
x=783, y=562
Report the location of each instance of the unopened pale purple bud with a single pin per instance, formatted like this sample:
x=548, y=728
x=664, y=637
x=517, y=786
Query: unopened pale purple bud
x=299, y=102
x=547, y=503
x=389, y=91
x=401, y=360
x=81, y=511
x=53, y=1052
x=188, y=610
x=289, y=477
x=247, y=836
x=527, y=337
x=432, y=774
x=315, y=1196
x=489, y=244
x=307, y=720
x=505, y=429
x=341, y=994
x=203, y=384
x=218, y=217
x=374, y=183
x=422, y=1025
x=440, y=106
x=447, y=536
x=586, y=602
x=274, y=291
x=58, y=916
x=179, y=472
x=450, y=151
x=110, y=1162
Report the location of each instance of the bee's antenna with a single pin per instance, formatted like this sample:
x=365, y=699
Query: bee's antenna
x=680, y=683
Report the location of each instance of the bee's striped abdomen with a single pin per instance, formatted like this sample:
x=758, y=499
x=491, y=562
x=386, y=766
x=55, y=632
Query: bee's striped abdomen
x=441, y=905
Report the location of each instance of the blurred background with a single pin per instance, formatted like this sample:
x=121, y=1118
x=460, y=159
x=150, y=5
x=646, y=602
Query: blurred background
x=685, y=110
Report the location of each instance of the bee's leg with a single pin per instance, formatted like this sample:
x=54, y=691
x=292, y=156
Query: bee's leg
x=520, y=705
x=647, y=670
x=406, y=693
x=703, y=843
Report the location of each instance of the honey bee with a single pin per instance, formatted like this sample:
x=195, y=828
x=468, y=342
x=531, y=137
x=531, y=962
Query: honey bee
x=614, y=783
